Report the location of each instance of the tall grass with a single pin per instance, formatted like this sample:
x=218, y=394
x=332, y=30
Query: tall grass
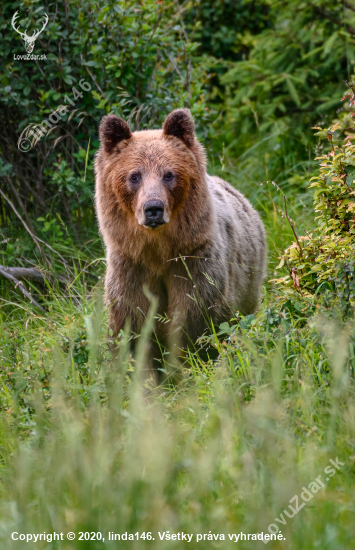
x=84, y=447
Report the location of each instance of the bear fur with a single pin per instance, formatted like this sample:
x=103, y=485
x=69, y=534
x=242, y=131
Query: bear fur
x=207, y=258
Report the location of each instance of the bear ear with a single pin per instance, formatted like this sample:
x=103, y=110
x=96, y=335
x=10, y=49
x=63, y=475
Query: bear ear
x=112, y=131
x=181, y=125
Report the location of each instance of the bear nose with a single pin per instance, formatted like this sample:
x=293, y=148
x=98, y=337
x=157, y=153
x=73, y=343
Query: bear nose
x=154, y=213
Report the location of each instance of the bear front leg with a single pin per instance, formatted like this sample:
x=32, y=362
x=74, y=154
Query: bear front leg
x=192, y=299
x=126, y=300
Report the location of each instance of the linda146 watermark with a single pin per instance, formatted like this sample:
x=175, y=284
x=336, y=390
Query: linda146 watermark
x=165, y=536
x=34, y=132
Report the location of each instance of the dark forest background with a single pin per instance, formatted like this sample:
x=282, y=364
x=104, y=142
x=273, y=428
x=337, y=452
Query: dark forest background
x=257, y=75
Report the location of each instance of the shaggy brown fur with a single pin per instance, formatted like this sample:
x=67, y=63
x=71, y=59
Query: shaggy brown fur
x=207, y=259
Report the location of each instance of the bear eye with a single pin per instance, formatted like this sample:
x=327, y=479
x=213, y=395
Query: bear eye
x=168, y=176
x=134, y=178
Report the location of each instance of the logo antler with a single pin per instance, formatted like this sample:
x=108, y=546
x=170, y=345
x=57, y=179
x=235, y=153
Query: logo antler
x=13, y=21
x=36, y=34
x=29, y=40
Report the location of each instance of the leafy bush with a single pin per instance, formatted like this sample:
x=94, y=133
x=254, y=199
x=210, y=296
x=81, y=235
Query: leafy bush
x=321, y=261
x=221, y=27
x=289, y=79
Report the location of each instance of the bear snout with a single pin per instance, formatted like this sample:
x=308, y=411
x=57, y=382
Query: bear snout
x=153, y=214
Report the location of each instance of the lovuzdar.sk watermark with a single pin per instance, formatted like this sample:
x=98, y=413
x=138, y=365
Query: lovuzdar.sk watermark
x=30, y=57
x=297, y=503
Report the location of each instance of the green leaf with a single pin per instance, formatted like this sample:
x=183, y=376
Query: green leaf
x=281, y=264
x=293, y=91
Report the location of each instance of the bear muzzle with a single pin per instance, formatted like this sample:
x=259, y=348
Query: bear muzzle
x=153, y=214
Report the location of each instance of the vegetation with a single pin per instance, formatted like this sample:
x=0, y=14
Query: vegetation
x=269, y=401
x=315, y=261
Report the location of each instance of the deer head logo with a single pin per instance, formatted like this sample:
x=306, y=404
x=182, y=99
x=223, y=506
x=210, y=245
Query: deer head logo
x=29, y=40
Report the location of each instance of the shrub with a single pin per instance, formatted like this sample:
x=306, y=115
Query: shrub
x=321, y=260
x=283, y=80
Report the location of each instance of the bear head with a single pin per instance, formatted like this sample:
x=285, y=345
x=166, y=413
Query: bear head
x=151, y=173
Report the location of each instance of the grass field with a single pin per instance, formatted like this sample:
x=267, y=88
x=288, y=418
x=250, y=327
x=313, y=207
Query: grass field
x=235, y=448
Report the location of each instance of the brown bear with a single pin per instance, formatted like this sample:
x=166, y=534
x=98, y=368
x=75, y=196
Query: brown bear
x=192, y=239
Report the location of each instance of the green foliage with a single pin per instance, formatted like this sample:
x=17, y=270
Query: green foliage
x=220, y=27
x=290, y=79
x=65, y=183
x=344, y=283
x=314, y=260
